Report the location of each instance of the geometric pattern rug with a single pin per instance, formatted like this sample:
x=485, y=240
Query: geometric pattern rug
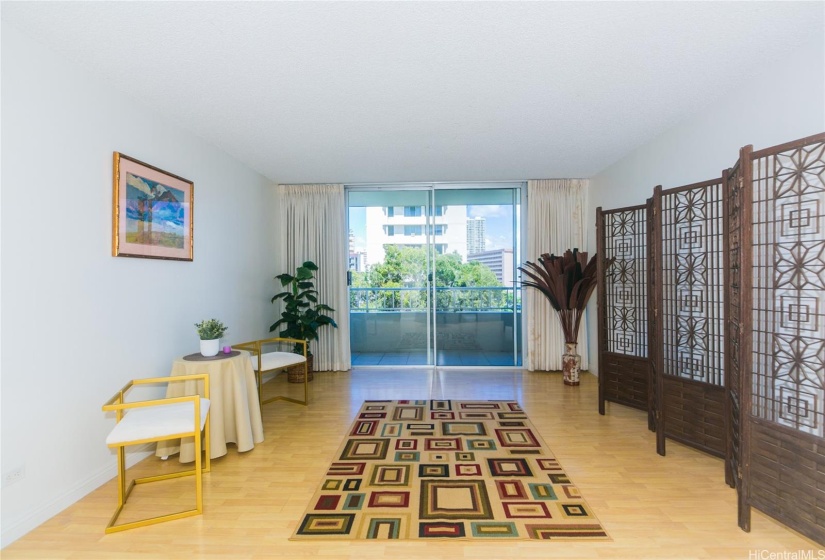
x=446, y=469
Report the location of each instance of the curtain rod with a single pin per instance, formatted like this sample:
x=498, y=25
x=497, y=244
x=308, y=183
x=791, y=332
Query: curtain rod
x=424, y=183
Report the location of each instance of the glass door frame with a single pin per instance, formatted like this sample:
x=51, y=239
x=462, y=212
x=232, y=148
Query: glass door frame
x=519, y=225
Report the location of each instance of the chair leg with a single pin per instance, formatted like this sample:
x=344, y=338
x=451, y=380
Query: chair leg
x=124, y=491
x=260, y=377
x=198, y=475
x=284, y=397
x=121, y=476
x=121, y=489
x=208, y=439
x=306, y=382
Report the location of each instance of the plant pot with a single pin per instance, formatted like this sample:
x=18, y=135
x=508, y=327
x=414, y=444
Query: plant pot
x=571, y=364
x=210, y=347
x=295, y=374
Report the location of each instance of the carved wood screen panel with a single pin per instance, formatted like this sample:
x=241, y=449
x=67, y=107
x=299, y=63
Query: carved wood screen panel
x=688, y=302
x=782, y=349
x=733, y=181
x=654, y=333
x=623, y=344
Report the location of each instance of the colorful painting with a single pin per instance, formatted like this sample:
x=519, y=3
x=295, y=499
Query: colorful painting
x=152, y=212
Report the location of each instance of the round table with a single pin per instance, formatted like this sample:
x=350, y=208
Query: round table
x=235, y=412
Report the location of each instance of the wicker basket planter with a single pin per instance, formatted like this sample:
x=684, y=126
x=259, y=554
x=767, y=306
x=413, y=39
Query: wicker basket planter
x=295, y=374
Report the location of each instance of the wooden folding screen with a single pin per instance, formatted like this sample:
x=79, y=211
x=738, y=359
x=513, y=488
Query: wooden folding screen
x=776, y=331
x=687, y=319
x=623, y=358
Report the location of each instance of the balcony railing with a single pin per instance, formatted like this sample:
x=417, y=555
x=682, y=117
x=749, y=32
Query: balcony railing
x=400, y=300
x=473, y=322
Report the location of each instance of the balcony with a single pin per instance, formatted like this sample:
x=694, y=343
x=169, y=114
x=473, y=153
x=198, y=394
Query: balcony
x=472, y=326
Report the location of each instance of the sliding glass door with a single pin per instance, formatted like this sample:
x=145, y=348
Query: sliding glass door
x=431, y=275
x=390, y=265
x=477, y=308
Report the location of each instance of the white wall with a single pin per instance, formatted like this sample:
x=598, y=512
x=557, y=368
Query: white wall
x=76, y=322
x=783, y=102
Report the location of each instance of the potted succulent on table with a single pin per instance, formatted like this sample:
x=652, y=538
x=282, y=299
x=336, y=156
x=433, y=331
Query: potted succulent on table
x=210, y=332
x=302, y=315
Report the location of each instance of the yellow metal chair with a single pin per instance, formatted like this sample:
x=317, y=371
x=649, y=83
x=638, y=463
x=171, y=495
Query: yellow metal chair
x=155, y=420
x=266, y=360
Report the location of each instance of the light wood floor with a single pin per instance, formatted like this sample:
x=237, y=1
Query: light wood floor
x=676, y=506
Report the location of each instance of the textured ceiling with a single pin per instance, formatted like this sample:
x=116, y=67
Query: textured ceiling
x=419, y=91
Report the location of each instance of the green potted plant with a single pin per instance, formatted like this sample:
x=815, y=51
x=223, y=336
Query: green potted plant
x=210, y=332
x=302, y=315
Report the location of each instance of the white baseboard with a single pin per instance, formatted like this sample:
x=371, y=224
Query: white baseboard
x=16, y=529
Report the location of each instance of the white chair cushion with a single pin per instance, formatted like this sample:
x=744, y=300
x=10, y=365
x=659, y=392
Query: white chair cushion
x=276, y=360
x=156, y=422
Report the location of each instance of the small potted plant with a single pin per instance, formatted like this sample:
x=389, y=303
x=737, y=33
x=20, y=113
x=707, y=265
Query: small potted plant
x=210, y=332
x=302, y=315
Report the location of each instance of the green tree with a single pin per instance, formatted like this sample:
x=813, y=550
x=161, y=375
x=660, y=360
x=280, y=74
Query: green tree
x=477, y=274
x=402, y=266
x=406, y=267
x=359, y=279
x=448, y=269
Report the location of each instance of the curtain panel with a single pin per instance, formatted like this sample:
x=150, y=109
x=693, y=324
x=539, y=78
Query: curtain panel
x=313, y=228
x=555, y=223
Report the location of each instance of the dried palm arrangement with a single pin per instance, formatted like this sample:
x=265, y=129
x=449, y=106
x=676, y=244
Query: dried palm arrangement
x=567, y=282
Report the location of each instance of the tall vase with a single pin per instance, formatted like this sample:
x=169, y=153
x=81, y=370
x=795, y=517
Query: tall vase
x=571, y=364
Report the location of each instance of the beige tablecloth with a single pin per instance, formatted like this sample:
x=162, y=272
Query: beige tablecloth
x=235, y=411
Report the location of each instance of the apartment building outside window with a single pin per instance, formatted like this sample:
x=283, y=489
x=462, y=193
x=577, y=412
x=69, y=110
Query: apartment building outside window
x=476, y=242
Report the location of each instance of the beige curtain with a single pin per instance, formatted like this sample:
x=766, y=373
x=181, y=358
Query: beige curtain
x=555, y=223
x=313, y=228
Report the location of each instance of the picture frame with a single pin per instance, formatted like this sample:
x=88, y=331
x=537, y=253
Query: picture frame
x=152, y=212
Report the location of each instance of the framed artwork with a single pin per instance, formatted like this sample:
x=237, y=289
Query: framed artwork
x=151, y=212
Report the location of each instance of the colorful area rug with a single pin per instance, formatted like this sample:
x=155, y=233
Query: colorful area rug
x=446, y=469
